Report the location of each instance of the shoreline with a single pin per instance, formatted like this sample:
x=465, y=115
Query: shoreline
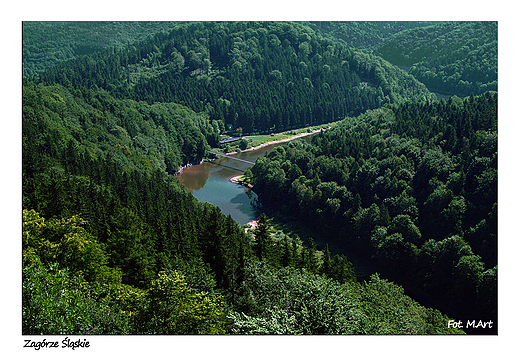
x=279, y=141
x=235, y=180
x=185, y=166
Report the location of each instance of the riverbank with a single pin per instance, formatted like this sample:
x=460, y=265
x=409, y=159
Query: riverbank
x=236, y=180
x=187, y=165
x=286, y=139
x=251, y=225
x=279, y=141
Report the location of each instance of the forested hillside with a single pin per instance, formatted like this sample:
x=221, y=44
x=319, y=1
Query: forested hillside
x=411, y=186
x=256, y=76
x=364, y=35
x=112, y=243
x=79, y=160
x=48, y=43
x=460, y=59
x=454, y=57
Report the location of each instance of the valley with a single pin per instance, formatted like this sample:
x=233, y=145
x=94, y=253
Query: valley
x=374, y=199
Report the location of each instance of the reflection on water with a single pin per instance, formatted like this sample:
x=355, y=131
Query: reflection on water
x=194, y=177
x=209, y=181
x=231, y=198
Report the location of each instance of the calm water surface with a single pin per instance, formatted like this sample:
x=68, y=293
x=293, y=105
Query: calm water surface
x=209, y=182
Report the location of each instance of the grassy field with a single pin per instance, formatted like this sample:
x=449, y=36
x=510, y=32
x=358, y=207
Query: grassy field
x=257, y=140
x=254, y=141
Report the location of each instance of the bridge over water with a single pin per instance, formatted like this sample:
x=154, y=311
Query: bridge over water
x=230, y=157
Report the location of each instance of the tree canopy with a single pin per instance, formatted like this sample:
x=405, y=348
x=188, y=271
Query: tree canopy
x=112, y=243
x=413, y=187
x=258, y=76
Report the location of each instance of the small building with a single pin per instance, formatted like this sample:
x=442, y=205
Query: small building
x=230, y=139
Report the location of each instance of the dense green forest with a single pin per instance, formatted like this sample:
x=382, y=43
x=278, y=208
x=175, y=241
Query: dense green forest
x=461, y=59
x=364, y=35
x=255, y=76
x=48, y=43
x=454, y=57
x=112, y=243
x=413, y=187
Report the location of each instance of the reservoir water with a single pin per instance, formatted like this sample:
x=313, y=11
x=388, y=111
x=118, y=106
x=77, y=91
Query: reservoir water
x=209, y=181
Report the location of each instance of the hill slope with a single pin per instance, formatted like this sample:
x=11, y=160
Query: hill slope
x=366, y=36
x=454, y=57
x=112, y=244
x=411, y=187
x=257, y=76
x=48, y=43
x=459, y=57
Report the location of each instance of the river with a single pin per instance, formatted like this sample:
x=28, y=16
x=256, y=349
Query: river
x=209, y=181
